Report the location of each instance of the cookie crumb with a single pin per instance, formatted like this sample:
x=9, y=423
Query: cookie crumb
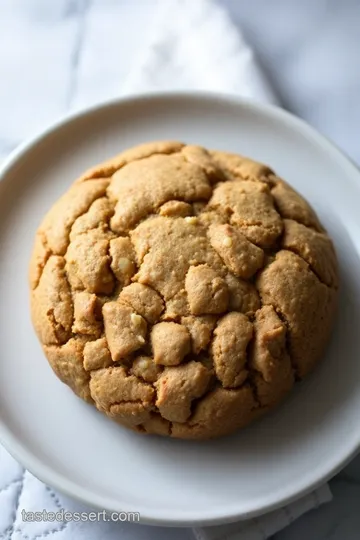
x=136, y=320
x=192, y=220
x=227, y=242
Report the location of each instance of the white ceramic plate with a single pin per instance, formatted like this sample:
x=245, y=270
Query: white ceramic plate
x=71, y=446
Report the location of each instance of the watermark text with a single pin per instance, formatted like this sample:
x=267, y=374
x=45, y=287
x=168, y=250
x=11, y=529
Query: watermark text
x=65, y=516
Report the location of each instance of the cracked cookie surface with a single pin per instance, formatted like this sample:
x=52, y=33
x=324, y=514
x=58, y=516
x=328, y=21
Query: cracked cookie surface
x=182, y=291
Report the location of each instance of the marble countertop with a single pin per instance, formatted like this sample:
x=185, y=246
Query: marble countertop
x=54, y=57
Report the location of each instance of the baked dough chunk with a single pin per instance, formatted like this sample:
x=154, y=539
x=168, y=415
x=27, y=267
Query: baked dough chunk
x=182, y=291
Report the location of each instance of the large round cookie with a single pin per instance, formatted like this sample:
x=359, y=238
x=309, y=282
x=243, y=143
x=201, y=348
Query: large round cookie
x=182, y=291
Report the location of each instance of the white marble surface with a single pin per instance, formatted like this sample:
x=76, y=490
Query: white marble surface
x=58, y=55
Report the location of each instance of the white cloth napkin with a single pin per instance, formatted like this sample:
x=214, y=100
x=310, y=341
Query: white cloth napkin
x=193, y=46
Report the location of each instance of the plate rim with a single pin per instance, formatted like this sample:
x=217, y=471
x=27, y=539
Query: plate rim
x=55, y=479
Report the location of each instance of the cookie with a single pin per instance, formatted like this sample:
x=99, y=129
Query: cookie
x=182, y=291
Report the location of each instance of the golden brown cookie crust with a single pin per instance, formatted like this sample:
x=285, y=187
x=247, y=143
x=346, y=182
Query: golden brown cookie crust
x=182, y=291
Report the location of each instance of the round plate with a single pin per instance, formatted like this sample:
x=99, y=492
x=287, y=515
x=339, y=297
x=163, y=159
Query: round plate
x=74, y=448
